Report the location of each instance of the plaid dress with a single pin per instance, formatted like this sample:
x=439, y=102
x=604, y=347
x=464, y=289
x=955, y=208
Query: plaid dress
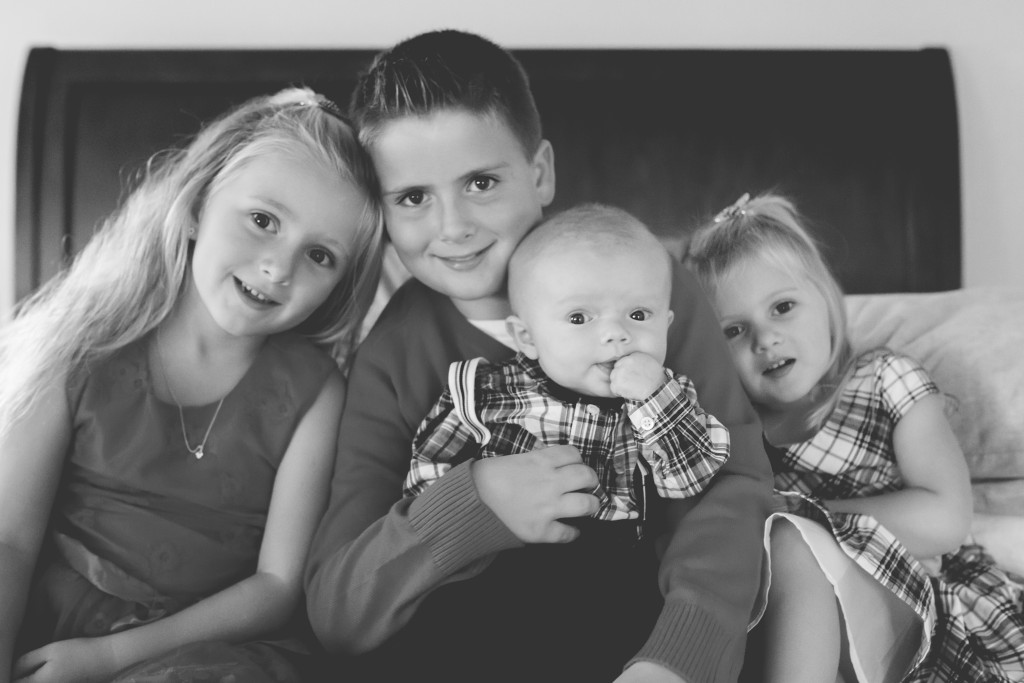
x=972, y=612
x=492, y=409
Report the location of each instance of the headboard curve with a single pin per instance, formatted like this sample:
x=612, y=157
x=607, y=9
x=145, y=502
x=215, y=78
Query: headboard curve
x=866, y=142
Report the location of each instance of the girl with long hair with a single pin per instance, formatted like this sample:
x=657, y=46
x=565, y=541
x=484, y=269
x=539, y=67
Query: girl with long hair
x=169, y=407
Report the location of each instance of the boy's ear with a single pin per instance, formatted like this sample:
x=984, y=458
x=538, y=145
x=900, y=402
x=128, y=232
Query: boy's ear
x=521, y=336
x=544, y=172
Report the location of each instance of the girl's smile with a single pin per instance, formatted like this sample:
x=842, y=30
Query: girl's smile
x=253, y=295
x=270, y=245
x=779, y=368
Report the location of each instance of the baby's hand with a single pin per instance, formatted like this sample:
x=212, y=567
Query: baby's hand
x=636, y=376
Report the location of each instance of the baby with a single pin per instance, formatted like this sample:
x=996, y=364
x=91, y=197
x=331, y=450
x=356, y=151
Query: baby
x=589, y=289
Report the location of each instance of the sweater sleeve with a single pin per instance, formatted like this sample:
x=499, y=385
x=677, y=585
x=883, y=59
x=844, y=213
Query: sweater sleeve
x=376, y=555
x=710, y=571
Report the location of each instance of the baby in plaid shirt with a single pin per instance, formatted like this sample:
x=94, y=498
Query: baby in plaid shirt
x=589, y=289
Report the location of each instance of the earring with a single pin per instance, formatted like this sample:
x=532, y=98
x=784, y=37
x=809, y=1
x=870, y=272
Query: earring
x=191, y=232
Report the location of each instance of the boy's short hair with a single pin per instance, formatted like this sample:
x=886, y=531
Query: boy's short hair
x=607, y=227
x=446, y=69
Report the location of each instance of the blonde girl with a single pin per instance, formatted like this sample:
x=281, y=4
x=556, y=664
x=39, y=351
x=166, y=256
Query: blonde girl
x=169, y=407
x=868, y=581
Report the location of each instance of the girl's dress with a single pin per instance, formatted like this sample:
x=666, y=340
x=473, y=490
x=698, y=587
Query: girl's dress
x=141, y=528
x=954, y=618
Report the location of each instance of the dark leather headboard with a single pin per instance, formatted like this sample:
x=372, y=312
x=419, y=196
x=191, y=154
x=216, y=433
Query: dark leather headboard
x=865, y=141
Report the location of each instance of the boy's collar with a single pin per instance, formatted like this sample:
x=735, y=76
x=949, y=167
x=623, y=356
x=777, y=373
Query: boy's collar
x=564, y=394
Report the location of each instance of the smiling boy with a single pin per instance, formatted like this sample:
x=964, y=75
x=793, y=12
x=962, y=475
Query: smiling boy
x=482, y=576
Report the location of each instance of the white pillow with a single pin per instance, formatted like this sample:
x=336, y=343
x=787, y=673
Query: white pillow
x=971, y=341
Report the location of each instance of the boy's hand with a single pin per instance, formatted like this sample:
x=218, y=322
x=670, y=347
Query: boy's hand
x=648, y=672
x=531, y=492
x=79, y=660
x=636, y=376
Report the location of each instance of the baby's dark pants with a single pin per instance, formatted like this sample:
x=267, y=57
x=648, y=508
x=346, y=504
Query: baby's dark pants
x=546, y=612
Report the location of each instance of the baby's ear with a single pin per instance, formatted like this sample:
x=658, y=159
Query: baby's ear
x=521, y=336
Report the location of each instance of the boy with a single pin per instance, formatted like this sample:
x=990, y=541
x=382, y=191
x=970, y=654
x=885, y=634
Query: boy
x=590, y=290
x=482, y=561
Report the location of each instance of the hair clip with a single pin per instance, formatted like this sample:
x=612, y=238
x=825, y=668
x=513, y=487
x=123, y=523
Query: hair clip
x=324, y=104
x=736, y=209
x=330, y=107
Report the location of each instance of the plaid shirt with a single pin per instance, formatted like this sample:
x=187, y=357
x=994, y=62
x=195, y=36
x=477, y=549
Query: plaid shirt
x=513, y=407
x=971, y=611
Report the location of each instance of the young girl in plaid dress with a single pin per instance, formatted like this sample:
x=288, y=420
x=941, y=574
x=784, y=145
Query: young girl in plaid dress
x=867, y=579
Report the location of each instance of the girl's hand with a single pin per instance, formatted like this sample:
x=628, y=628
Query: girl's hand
x=636, y=376
x=79, y=660
x=648, y=672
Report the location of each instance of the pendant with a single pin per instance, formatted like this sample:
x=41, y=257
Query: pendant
x=199, y=453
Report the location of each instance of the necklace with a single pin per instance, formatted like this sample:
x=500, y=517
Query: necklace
x=198, y=451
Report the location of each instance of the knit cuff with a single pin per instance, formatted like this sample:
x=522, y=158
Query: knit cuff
x=455, y=524
x=691, y=642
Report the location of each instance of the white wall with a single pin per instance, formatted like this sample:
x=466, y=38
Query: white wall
x=983, y=36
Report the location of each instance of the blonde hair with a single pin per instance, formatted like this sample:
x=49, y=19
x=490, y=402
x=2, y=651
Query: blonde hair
x=128, y=277
x=588, y=224
x=769, y=227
